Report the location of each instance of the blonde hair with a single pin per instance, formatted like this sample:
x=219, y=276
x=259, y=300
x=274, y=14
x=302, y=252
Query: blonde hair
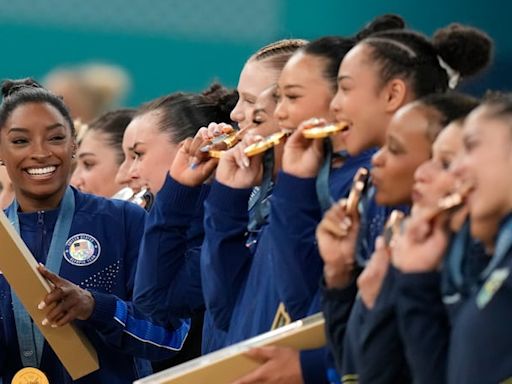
x=103, y=85
x=276, y=54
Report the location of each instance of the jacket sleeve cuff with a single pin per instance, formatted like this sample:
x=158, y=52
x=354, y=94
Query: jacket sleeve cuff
x=339, y=294
x=313, y=368
x=176, y=196
x=421, y=280
x=287, y=186
x=231, y=201
x=104, y=308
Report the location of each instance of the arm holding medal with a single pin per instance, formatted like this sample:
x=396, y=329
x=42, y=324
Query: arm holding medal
x=336, y=235
x=422, y=317
x=295, y=213
x=168, y=279
x=225, y=258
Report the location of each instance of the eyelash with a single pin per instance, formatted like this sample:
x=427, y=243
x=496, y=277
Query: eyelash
x=24, y=141
x=19, y=141
x=88, y=165
x=292, y=97
x=137, y=154
x=470, y=145
x=445, y=164
x=393, y=150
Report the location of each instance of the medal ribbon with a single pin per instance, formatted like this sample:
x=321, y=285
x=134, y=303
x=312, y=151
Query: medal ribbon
x=30, y=340
x=503, y=245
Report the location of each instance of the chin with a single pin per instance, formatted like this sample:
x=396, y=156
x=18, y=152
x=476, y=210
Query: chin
x=381, y=198
x=352, y=148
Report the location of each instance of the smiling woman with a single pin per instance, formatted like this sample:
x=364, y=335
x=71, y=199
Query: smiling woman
x=71, y=234
x=37, y=160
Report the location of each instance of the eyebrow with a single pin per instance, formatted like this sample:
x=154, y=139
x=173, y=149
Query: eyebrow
x=84, y=154
x=396, y=141
x=135, y=145
x=293, y=86
x=343, y=77
x=48, y=128
x=248, y=95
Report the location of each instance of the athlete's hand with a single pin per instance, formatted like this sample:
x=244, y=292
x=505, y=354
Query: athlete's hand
x=66, y=302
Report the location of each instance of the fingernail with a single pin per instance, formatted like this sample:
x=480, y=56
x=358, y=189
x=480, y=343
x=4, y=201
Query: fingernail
x=246, y=162
x=45, y=322
x=193, y=165
x=216, y=131
x=41, y=305
x=347, y=221
x=54, y=326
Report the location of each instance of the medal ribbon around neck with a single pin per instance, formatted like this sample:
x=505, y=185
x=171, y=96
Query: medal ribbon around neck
x=30, y=340
x=503, y=245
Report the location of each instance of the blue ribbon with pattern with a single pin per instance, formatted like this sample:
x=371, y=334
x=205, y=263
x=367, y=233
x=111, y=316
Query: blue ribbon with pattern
x=30, y=340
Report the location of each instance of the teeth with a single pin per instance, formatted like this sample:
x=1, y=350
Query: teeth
x=41, y=171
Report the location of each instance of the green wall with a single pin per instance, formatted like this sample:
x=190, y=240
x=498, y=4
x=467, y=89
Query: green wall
x=171, y=45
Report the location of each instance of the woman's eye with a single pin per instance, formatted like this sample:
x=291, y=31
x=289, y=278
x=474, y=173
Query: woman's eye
x=88, y=166
x=19, y=141
x=137, y=155
x=57, y=138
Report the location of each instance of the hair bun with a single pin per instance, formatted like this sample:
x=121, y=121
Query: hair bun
x=223, y=98
x=465, y=49
x=381, y=23
x=10, y=87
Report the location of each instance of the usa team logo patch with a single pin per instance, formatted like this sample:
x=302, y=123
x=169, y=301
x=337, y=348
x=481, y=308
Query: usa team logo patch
x=82, y=250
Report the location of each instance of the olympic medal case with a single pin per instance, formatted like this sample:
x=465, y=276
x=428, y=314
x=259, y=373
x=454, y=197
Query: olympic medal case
x=228, y=364
x=20, y=269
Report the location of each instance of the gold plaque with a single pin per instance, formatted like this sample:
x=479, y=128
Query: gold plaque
x=30, y=376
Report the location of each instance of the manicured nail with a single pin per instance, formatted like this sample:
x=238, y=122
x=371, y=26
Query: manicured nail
x=45, y=322
x=41, y=305
x=246, y=162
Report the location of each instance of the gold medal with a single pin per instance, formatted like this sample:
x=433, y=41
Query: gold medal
x=358, y=185
x=29, y=376
x=324, y=131
x=216, y=154
x=265, y=144
x=393, y=226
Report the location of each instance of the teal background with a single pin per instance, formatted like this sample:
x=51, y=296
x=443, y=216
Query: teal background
x=168, y=45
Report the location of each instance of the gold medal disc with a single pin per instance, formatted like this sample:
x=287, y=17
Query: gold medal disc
x=29, y=376
x=265, y=144
x=325, y=131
